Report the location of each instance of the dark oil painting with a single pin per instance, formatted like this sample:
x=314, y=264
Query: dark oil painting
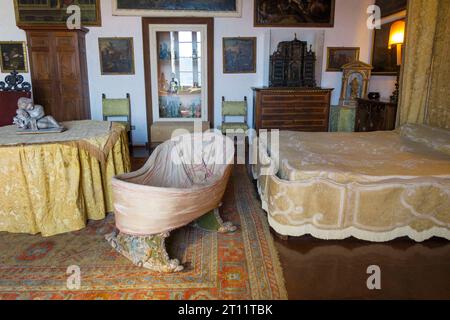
x=338, y=57
x=116, y=56
x=389, y=7
x=13, y=57
x=190, y=5
x=294, y=13
x=384, y=60
x=32, y=12
x=239, y=55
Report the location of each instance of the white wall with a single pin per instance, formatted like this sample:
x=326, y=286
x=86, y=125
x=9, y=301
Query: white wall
x=385, y=85
x=118, y=86
x=9, y=30
x=350, y=30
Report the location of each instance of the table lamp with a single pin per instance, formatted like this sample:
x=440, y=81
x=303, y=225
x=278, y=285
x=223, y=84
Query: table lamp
x=397, y=38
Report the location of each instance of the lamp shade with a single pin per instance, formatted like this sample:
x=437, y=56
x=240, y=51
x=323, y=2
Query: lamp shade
x=397, y=33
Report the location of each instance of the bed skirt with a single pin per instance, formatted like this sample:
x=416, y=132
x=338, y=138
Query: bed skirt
x=376, y=212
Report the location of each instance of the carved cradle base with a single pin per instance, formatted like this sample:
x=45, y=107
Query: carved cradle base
x=150, y=251
x=145, y=251
x=214, y=223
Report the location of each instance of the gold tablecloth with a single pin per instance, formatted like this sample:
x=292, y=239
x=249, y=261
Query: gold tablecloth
x=54, y=183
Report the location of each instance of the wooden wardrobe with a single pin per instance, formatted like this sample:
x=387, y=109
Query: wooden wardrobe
x=59, y=71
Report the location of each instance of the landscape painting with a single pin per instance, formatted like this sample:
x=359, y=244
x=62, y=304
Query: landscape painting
x=298, y=14
x=116, y=56
x=185, y=8
x=384, y=60
x=35, y=12
x=337, y=57
x=239, y=55
x=13, y=56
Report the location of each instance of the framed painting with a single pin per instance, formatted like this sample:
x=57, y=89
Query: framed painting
x=384, y=60
x=339, y=56
x=13, y=56
x=177, y=8
x=390, y=7
x=116, y=56
x=295, y=14
x=239, y=55
x=54, y=12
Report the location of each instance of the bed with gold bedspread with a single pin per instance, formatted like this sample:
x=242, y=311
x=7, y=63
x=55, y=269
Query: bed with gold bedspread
x=373, y=186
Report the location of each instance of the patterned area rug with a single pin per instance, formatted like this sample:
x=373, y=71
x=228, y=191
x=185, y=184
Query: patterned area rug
x=243, y=265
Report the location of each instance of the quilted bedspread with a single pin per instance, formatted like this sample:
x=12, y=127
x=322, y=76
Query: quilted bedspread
x=374, y=186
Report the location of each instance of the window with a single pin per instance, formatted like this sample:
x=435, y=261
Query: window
x=180, y=75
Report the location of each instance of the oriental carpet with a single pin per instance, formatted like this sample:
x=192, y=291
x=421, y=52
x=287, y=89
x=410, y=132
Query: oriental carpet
x=242, y=265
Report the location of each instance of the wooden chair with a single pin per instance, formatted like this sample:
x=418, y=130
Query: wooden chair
x=234, y=109
x=119, y=109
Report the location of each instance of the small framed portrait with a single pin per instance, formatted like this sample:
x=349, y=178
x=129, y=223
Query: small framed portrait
x=116, y=56
x=13, y=56
x=339, y=56
x=239, y=55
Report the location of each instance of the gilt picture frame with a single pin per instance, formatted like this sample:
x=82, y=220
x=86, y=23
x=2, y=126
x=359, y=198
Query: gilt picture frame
x=239, y=55
x=13, y=56
x=116, y=56
x=54, y=12
x=174, y=8
x=294, y=14
x=340, y=56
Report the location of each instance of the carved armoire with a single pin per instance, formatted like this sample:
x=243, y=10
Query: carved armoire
x=59, y=71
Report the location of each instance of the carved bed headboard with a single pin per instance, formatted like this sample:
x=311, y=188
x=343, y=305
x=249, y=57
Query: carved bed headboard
x=12, y=89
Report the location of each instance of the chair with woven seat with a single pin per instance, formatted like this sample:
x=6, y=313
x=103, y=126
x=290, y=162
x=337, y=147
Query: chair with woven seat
x=118, y=110
x=234, y=109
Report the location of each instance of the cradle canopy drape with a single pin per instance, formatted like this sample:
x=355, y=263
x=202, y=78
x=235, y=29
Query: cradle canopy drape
x=54, y=187
x=425, y=94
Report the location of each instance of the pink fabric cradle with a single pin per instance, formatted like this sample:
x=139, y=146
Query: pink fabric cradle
x=184, y=179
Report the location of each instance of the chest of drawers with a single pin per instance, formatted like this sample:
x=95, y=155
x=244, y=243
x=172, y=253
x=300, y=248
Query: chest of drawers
x=294, y=109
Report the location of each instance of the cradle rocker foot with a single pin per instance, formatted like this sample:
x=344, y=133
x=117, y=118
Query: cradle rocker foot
x=213, y=222
x=145, y=251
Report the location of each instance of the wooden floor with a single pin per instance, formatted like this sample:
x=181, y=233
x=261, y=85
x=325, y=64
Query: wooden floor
x=317, y=269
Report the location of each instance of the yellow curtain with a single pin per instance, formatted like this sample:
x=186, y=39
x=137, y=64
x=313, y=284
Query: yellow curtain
x=426, y=73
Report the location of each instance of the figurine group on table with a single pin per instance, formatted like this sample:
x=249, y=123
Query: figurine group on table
x=30, y=117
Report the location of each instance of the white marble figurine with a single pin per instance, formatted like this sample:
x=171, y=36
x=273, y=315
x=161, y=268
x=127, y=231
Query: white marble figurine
x=32, y=117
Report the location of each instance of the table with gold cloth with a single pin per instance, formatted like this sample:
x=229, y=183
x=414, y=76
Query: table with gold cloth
x=54, y=183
